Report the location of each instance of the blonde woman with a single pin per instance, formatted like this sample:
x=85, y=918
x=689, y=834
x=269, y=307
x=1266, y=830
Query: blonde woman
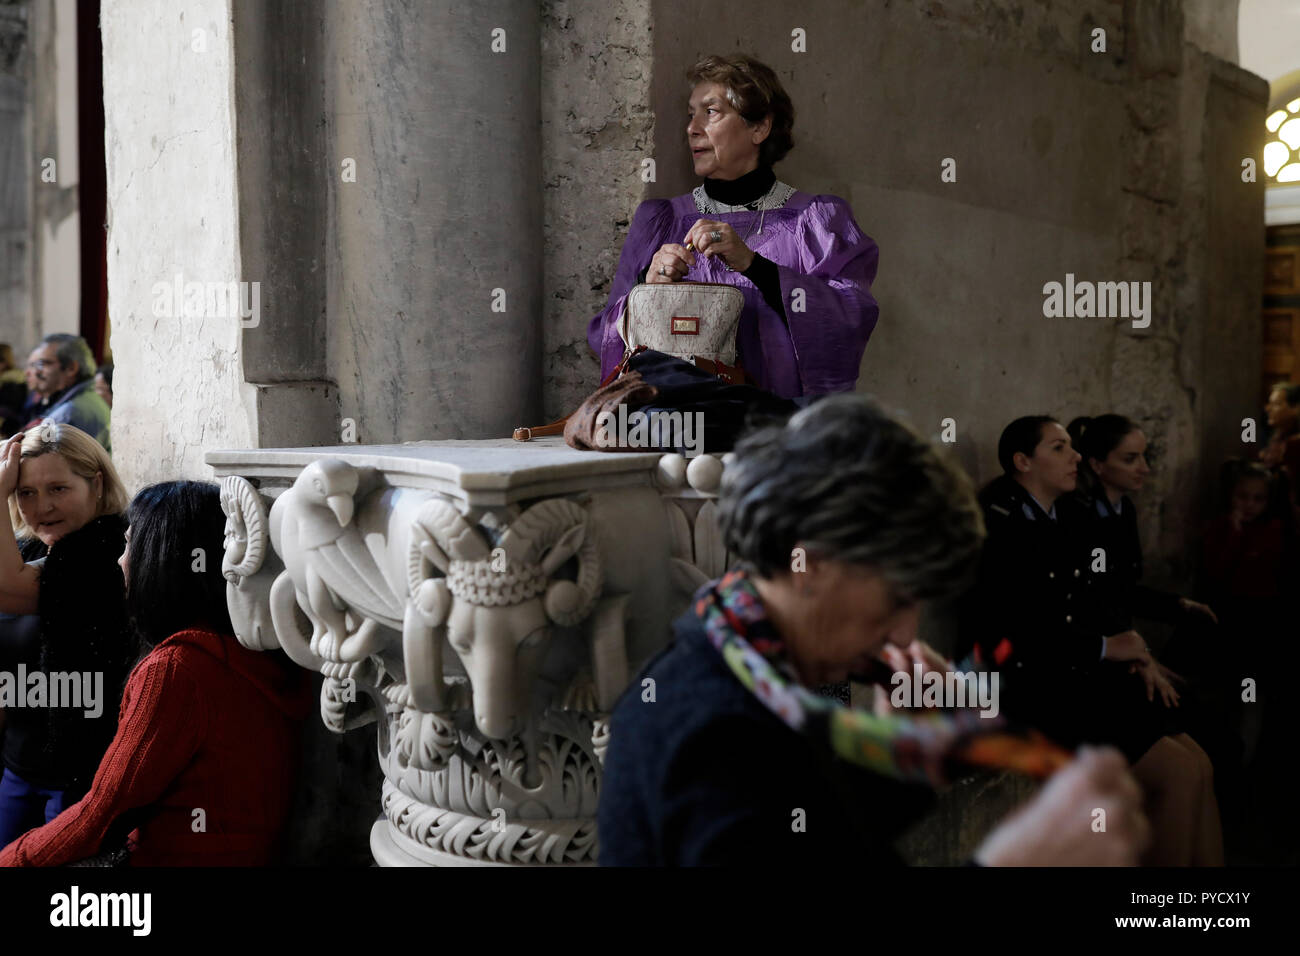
x=65, y=645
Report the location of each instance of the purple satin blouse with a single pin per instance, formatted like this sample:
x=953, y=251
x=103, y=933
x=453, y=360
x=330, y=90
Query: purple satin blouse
x=817, y=248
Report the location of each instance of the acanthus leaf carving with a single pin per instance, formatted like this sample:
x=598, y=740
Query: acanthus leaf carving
x=710, y=553
x=679, y=532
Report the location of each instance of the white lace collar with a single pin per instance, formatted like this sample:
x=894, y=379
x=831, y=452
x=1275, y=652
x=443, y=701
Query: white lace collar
x=774, y=198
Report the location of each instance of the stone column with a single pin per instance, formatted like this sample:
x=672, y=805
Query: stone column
x=16, y=319
x=433, y=254
x=40, y=250
x=172, y=211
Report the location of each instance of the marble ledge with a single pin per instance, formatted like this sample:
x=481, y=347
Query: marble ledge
x=492, y=472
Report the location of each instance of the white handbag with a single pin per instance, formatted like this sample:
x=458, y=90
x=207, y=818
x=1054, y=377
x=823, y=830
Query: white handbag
x=690, y=320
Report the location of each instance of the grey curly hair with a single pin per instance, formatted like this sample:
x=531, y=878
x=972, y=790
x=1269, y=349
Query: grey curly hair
x=72, y=348
x=848, y=482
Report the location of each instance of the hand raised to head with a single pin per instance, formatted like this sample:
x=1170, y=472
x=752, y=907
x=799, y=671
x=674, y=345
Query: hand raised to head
x=10, y=464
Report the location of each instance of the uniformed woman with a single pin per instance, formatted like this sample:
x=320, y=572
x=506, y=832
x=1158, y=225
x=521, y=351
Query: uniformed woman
x=1114, y=466
x=1039, y=615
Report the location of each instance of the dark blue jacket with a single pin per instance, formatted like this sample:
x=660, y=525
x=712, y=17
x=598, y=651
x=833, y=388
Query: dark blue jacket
x=706, y=775
x=1119, y=588
x=1036, y=589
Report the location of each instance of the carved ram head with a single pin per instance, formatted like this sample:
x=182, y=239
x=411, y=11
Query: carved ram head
x=248, y=564
x=496, y=605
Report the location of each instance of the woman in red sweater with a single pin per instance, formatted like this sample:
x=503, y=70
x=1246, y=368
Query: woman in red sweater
x=201, y=770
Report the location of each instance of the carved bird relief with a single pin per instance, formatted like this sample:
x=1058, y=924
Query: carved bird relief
x=328, y=569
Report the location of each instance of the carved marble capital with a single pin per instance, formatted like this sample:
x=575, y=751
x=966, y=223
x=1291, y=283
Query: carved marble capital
x=488, y=615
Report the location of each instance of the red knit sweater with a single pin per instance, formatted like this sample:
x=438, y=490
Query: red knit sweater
x=205, y=725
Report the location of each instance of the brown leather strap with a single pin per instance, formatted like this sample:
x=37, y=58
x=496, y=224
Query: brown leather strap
x=524, y=433
x=731, y=374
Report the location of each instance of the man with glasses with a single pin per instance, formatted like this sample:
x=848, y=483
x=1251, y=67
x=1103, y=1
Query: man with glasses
x=62, y=372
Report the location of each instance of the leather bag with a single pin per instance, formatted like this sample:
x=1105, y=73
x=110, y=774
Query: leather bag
x=694, y=321
x=654, y=383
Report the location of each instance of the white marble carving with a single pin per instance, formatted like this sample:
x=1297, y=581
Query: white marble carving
x=248, y=565
x=689, y=489
x=485, y=602
x=328, y=570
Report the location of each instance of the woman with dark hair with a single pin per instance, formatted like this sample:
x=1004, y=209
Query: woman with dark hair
x=1114, y=466
x=804, y=266
x=722, y=752
x=1067, y=670
x=63, y=622
x=201, y=769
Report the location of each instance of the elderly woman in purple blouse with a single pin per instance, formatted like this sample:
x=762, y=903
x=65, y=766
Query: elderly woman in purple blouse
x=801, y=261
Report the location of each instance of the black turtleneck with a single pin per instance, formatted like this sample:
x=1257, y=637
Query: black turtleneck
x=746, y=189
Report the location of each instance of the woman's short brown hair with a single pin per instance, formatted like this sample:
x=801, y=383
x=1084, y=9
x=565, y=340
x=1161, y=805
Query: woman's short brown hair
x=84, y=456
x=755, y=91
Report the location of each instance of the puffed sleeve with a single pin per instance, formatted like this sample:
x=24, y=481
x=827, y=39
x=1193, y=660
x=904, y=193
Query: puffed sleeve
x=829, y=307
x=649, y=230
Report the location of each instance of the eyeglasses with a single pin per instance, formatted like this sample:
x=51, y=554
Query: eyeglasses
x=39, y=364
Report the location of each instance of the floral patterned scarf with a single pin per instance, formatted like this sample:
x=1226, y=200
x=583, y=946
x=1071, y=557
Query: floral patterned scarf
x=932, y=746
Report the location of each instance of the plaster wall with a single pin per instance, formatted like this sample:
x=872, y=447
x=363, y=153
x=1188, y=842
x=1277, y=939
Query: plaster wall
x=597, y=129
x=172, y=210
x=1269, y=37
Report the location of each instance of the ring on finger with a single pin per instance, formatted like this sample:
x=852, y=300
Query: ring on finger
x=715, y=236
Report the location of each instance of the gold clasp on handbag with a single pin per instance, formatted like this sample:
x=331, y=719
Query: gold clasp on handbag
x=685, y=325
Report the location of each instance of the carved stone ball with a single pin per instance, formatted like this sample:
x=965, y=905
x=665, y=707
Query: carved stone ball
x=704, y=473
x=671, y=474
x=562, y=599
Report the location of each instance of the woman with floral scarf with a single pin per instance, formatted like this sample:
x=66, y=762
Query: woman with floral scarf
x=844, y=521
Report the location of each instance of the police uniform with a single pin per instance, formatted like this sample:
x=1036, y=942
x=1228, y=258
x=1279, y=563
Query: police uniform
x=1114, y=530
x=1036, y=613
x=1197, y=649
